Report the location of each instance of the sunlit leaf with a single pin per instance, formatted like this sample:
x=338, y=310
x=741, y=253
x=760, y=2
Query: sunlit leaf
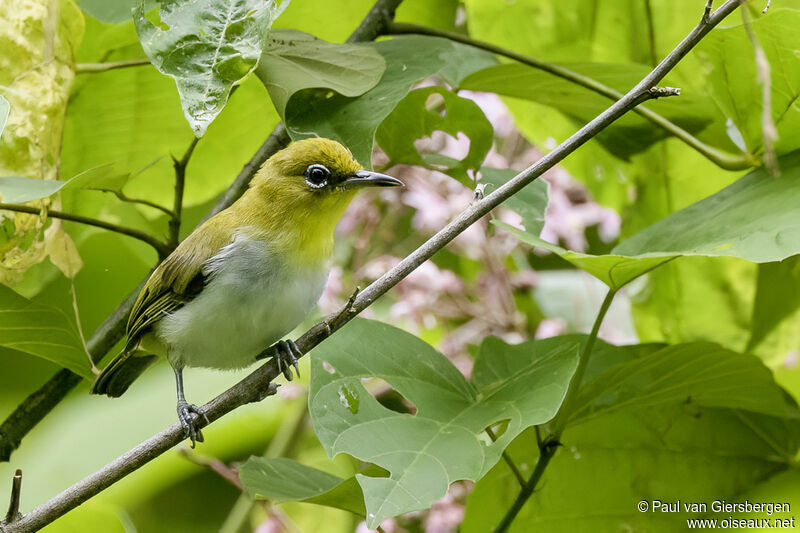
x=294, y=60
x=444, y=441
x=207, y=47
x=15, y=189
x=756, y=218
x=42, y=331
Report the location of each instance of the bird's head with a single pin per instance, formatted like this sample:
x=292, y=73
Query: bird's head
x=307, y=186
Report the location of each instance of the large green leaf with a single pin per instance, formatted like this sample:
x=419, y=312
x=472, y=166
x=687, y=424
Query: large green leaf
x=206, y=46
x=444, y=440
x=702, y=374
x=294, y=60
x=691, y=422
x=40, y=330
x=609, y=464
x=354, y=120
x=430, y=109
x=756, y=218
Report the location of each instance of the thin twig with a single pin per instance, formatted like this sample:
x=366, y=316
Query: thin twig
x=77, y=313
x=180, y=182
x=720, y=158
x=161, y=248
x=38, y=404
x=93, y=68
x=257, y=384
x=14, y=499
x=125, y=198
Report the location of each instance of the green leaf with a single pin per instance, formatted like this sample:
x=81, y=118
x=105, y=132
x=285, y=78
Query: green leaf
x=755, y=218
x=294, y=60
x=613, y=270
x=733, y=82
x=700, y=374
x=777, y=298
x=354, y=120
x=444, y=440
x=19, y=190
x=669, y=453
x=112, y=11
x=207, y=47
x=628, y=135
x=16, y=190
x=281, y=480
x=430, y=109
x=40, y=330
x=530, y=203
x=4, y=108
x=646, y=440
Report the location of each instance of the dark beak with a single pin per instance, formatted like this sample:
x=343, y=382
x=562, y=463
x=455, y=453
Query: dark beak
x=366, y=178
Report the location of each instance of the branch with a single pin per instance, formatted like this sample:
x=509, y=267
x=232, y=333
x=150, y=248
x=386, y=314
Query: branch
x=34, y=408
x=258, y=384
x=161, y=248
x=125, y=198
x=180, y=181
x=93, y=68
x=720, y=158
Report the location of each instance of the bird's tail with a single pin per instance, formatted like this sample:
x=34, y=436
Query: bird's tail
x=123, y=370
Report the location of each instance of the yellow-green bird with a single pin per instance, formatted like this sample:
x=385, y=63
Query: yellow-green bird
x=247, y=276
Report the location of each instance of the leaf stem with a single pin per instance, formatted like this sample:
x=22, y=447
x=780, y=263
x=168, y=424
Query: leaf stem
x=509, y=461
x=94, y=68
x=720, y=158
x=548, y=447
x=161, y=248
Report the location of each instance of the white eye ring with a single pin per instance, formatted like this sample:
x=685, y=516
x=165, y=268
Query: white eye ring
x=317, y=176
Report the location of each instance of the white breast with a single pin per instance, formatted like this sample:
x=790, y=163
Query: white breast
x=251, y=299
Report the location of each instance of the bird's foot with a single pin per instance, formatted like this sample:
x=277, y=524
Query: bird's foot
x=286, y=354
x=186, y=412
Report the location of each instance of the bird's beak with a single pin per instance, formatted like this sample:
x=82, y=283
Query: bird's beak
x=367, y=178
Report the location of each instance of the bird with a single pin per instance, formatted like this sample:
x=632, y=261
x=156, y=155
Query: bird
x=246, y=276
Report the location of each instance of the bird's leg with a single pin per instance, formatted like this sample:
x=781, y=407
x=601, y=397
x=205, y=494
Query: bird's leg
x=186, y=412
x=286, y=354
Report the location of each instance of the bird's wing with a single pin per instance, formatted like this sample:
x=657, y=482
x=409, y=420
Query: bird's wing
x=178, y=279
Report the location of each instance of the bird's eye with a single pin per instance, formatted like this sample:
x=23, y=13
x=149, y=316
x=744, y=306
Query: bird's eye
x=317, y=176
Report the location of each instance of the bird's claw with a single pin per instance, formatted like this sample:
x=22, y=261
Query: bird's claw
x=286, y=354
x=186, y=412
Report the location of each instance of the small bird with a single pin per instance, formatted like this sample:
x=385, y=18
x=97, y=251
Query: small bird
x=247, y=276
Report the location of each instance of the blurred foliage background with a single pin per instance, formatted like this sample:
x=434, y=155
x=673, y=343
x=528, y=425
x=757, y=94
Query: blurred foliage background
x=468, y=114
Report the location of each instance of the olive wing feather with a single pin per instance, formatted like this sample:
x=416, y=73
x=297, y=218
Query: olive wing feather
x=178, y=279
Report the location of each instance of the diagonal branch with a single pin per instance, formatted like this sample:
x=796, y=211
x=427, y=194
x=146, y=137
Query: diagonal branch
x=721, y=158
x=36, y=407
x=258, y=384
x=161, y=248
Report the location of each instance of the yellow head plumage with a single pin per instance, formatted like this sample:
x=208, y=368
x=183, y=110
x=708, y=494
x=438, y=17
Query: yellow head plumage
x=300, y=193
